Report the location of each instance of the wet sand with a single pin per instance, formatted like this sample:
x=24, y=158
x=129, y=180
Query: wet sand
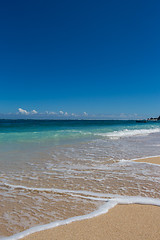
x=123, y=222
x=128, y=222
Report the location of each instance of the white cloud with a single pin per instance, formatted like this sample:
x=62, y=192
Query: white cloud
x=23, y=111
x=34, y=111
x=85, y=114
x=66, y=114
x=52, y=113
x=61, y=112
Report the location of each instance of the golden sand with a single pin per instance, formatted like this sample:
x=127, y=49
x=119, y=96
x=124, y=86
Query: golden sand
x=123, y=222
x=155, y=160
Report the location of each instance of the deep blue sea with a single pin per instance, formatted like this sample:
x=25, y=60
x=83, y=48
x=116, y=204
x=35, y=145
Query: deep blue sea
x=55, y=169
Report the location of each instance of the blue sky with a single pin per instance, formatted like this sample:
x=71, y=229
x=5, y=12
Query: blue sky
x=97, y=57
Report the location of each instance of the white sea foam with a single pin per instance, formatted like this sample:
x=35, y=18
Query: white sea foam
x=128, y=133
x=103, y=209
x=56, y=190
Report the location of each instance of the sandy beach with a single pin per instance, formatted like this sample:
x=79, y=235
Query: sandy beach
x=155, y=160
x=122, y=222
x=128, y=222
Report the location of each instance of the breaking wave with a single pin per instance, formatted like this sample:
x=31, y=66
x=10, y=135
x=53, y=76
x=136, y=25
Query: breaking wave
x=128, y=133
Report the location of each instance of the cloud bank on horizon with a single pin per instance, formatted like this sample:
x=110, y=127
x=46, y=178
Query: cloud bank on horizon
x=61, y=114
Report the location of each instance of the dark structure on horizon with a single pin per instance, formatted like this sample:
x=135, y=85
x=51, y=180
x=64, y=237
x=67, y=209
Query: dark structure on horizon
x=153, y=119
x=149, y=120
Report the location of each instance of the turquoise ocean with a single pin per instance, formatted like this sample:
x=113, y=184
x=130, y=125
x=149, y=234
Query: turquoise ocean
x=52, y=170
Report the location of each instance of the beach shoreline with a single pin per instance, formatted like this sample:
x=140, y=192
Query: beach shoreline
x=127, y=221
x=152, y=160
x=133, y=221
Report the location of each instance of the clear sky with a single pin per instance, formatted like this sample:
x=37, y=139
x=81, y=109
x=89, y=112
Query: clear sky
x=98, y=57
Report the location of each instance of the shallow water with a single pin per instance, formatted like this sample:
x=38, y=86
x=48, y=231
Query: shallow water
x=54, y=170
